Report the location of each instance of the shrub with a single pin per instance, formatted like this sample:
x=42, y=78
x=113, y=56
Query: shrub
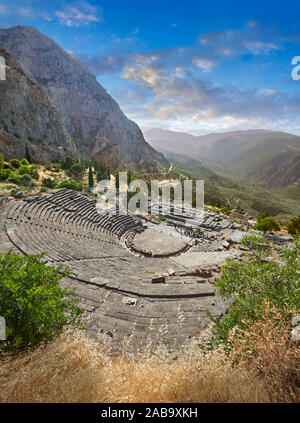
x=26, y=180
x=294, y=226
x=49, y=183
x=267, y=224
x=77, y=170
x=256, y=280
x=15, y=163
x=70, y=184
x=162, y=218
x=43, y=189
x=4, y=174
x=14, y=178
x=34, y=172
x=24, y=170
x=35, y=308
x=198, y=230
x=225, y=209
x=67, y=162
x=25, y=162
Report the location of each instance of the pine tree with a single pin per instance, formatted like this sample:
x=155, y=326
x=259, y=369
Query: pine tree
x=27, y=154
x=91, y=177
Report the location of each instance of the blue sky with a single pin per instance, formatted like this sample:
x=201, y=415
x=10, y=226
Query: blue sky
x=195, y=66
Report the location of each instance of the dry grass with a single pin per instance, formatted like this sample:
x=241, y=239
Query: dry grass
x=75, y=368
x=268, y=348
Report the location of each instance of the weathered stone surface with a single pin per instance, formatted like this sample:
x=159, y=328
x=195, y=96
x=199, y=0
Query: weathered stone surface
x=110, y=280
x=236, y=237
x=34, y=117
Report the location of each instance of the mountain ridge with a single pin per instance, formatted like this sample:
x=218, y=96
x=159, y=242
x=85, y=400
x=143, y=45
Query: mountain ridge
x=253, y=155
x=28, y=116
x=92, y=118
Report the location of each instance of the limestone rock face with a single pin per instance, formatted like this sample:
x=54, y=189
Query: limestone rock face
x=28, y=116
x=91, y=117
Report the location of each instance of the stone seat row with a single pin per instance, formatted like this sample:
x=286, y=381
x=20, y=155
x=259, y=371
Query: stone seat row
x=67, y=226
x=66, y=208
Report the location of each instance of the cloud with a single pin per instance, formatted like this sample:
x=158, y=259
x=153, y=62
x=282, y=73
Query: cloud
x=258, y=47
x=82, y=14
x=3, y=9
x=181, y=96
x=205, y=64
x=254, y=39
x=25, y=11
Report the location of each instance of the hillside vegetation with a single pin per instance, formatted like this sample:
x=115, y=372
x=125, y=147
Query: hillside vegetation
x=252, y=356
x=264, y=157
x=227, y=191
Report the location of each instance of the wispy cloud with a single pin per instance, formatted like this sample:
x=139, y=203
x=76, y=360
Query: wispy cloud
x=3, y=9
x=82, y=14
x=25, y=11
x=192, y=99
x=205, y=64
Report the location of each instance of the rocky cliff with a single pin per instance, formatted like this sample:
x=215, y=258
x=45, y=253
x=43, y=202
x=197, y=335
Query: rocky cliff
x=28, y=116
x=94, y=121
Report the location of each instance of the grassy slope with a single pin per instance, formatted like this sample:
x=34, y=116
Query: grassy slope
x=251, y=198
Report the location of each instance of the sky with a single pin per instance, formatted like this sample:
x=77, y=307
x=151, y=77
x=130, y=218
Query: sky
x=193, y=66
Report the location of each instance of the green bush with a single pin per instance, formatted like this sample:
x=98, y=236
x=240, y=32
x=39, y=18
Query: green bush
x=26, y=180
x=24, y=170
x=70, y=184
x=294, y=226
x=49, y=183
x=225, y=209
x=15, y=163
x=198, y=230
x=162, y=218
x=43, y=189
x=14, y=178
x=34, y=172
x=24, y=162
x=67, y=162
x=34, y=306
x=77, y=170
x=267, y=224
x=4, y=174
x=258, y=280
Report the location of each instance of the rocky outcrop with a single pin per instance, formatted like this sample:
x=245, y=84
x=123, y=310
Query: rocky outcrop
x=28, y=116
x=92, y=118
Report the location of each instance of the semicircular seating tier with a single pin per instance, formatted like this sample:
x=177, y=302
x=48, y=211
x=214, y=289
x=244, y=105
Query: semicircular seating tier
x=123, y=293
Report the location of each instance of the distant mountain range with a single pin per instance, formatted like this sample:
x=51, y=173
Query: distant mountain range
x=264, y=157
x=88, y=121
